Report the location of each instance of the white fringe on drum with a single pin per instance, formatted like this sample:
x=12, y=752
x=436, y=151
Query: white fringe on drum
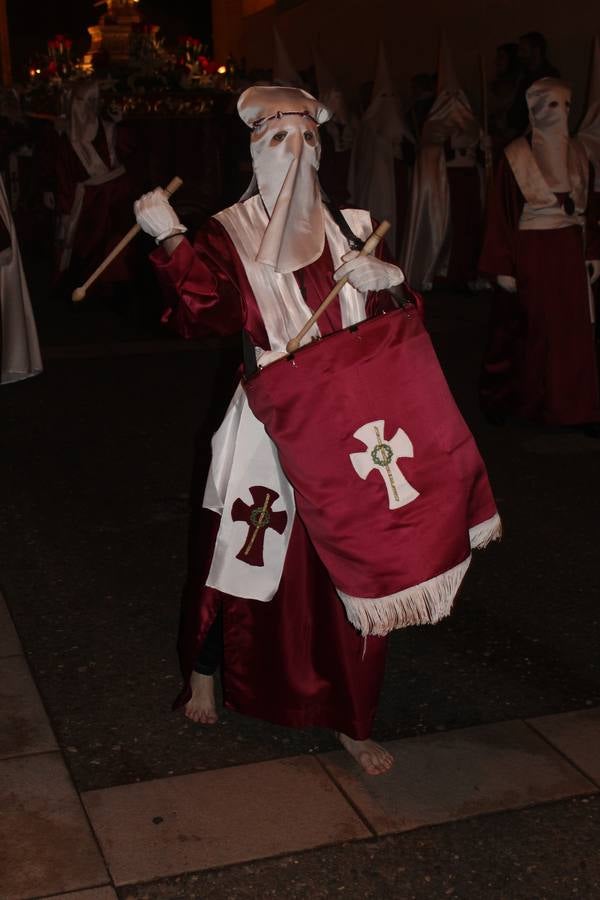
x=423, y=604
x=481, y=535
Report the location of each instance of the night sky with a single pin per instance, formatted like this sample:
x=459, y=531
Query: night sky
x=33, y=23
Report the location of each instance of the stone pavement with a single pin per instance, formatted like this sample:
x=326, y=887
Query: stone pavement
x=493, y=715
x=57, y=842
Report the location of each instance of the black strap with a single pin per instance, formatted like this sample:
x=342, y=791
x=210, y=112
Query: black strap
x=338, y=217
x=250, y=364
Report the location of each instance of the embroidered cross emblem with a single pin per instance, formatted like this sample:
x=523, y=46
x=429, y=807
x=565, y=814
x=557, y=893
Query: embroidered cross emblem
x=259, y=517
x=382, y=456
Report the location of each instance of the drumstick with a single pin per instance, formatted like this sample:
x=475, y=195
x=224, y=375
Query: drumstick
x=370, y=244
x=80, y=292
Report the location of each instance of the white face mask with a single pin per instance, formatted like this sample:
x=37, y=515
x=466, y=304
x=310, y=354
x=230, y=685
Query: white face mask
x=549, y=102
x=286, y=154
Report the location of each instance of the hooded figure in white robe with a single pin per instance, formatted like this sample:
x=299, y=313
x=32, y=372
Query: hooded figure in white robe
x=20, y=352
x=380, y=144
x=448, y=148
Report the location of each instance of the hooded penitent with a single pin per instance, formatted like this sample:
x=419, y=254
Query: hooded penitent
x=285, y=151
x=589, y=130
x=335, y=394
x=19, y=350
x=551, y=169
x=83, y=123
x=450, y=122
x=378, y=144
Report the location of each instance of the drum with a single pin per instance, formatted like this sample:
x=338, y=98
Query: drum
x=387, y=477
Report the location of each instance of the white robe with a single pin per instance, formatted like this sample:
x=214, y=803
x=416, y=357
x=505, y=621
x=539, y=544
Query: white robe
x=20, y=349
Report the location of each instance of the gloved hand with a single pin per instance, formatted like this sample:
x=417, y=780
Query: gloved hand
x=156, y=216
x=507, y=283
x=594, y=269
x=367, y=273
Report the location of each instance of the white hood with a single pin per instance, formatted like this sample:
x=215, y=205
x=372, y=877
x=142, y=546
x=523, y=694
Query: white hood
x=286, y=150
x=549, y=102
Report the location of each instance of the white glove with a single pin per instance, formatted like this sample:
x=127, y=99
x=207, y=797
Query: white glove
x=507, y=283
x=593, y=269
x=367, y=273
x=156, y=216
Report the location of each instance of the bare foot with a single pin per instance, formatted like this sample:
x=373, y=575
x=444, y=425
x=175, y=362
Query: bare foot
x=201, y=706
x=372, y=757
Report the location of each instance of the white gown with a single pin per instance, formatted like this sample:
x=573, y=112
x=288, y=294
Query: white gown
x=20, y=356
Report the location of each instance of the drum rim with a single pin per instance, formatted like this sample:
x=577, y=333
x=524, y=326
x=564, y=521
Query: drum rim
x=289, y=357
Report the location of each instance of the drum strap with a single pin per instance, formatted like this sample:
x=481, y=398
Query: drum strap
x=250, y=364
x=338, y=217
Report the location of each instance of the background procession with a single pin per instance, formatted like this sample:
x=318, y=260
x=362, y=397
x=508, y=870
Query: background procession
x=281, y=284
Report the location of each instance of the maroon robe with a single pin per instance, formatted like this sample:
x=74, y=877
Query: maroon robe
x=466, y=226
x=296, y=660
x=541, y=358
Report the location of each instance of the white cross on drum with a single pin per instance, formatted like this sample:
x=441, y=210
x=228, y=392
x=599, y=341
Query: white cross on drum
x=382, y=456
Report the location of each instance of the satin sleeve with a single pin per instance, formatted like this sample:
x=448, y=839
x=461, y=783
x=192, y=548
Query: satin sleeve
x=201, y=285
x=502, y=223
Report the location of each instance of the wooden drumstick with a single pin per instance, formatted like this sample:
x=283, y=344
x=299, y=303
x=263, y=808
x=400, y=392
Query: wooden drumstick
x=80, y=292
x=370, y=244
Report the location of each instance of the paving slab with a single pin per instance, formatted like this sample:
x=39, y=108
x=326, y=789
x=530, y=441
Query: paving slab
x=577, y=735
x=10, y=644
x=46, y=845
x=444, y=777
x=217, y=818
x=24, y=725
x=91, y=519
x=541, y=853
x=97, y=893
